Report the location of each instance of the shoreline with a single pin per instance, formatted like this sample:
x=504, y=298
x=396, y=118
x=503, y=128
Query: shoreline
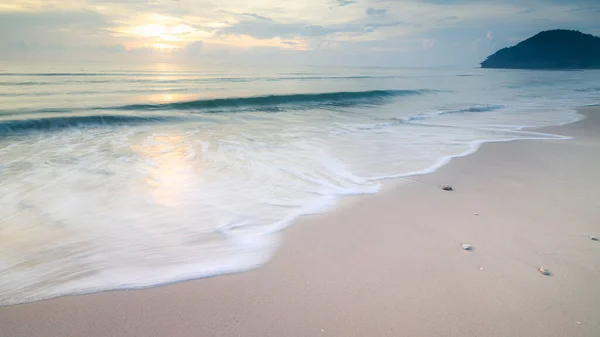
x=277, y=286
x=386, y=183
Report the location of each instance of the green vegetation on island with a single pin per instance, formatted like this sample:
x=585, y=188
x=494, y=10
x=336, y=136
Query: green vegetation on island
x=552, y=49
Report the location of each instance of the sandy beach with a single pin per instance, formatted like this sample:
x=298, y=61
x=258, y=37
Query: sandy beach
x=397, y=268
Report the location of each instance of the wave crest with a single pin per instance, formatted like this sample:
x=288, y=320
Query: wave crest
x=11, y=127
x=473, y=109
x=333, y=98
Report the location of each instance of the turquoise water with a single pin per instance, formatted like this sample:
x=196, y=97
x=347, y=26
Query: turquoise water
x=130, y=177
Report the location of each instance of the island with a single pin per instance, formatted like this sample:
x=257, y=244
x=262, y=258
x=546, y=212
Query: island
x=552, y=49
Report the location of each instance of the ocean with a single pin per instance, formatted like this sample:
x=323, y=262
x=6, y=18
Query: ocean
x=115, y=177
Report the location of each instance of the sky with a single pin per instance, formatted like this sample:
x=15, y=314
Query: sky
x=324, y=32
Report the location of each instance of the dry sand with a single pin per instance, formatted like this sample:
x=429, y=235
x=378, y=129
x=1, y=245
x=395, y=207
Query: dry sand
x=392, y=264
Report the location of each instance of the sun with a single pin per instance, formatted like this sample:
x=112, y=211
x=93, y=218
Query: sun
x=151, y=30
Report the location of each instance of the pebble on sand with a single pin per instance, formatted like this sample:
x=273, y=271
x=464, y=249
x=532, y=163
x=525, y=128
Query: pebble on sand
x=446, y=187
x=594, y=238
x=544, y=271
x=466, y=246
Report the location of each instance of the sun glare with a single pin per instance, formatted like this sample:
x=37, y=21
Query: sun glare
x=150, y=30
x=166, y=33
x=162, y=46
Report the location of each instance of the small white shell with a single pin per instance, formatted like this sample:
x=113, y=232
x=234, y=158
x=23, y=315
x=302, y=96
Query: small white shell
x=544, y=271
x=466, y=246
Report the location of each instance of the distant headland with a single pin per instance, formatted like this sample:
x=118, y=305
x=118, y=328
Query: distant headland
x=552, y=49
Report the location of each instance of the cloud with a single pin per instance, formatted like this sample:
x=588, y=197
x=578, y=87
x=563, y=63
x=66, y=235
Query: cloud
x=427, y=44
x=588, y=9
x=484, y=44
x=460, y=31
x=267, y=29
x=51, y=21
x=256, y=16
x=46, y=30
x=115, y=48
x=373, y=26
x=375, y=12
x=343, y=3
x=447, y=19
x=194, y=48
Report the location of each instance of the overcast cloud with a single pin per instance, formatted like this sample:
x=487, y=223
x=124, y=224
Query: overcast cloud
x=372, y=32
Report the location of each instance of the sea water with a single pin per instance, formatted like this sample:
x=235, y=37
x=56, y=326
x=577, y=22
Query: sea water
x=116, y=177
